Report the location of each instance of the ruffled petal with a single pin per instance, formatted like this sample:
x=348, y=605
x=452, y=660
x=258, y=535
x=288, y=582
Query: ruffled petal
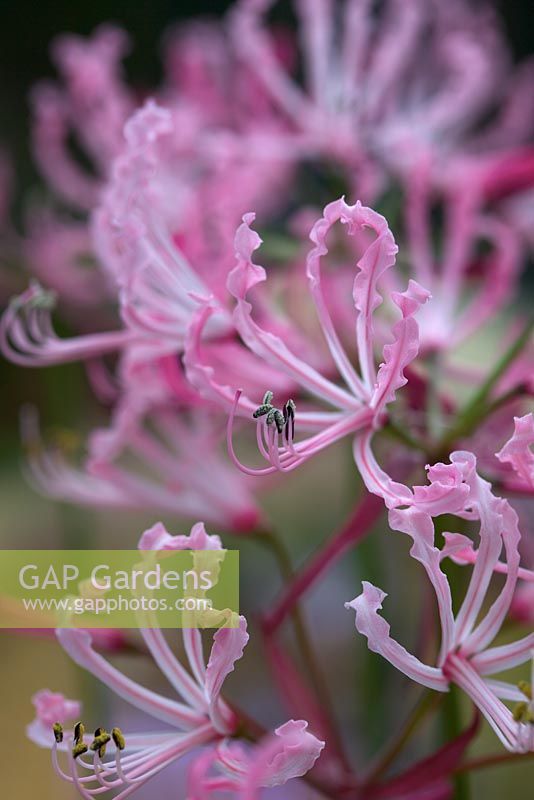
x=517, y=452
x=376, y=630
x=403, y=349
x=420, y=527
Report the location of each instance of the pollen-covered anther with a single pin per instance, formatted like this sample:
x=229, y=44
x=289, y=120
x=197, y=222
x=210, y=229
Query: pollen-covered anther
x=266, y=405
x=79, y=746
x=525, y=688
x=118, y=738
x=101, y=738
x=58, y=732
x=276, y=416
x=519, y=711
x=283, y=420
x=79, y=730
x=44, y=299
x=79, y=749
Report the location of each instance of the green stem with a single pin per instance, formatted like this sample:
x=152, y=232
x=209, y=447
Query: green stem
x=453, y=728
x=428, y=703
x=478, y=407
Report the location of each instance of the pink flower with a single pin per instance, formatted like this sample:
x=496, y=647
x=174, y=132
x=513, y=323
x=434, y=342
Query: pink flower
x=468, y=290
x=58, y=252
x=163, y=233
x=199, y=718
x=380, y=90
x=358, y=405
x=153, y=456
x=290, y=752
x=465, y=656
x=51, y=707
x=517, y=450
x=93, y=104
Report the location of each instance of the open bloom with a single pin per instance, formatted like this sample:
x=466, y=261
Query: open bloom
x=91, y=104
x=517, y=451
x=381, y=89
x=198, y=718
x=466, y=657
x=343, y=410
x=468, y=288
x=161, y=451
x=289, y=752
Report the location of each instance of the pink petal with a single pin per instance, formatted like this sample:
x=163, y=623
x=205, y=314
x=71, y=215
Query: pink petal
x=420, y=527
x=290, y=753
x=77, y=644
x=227, y=648
x=402, y=350
x=376, y=630
x=517, y=452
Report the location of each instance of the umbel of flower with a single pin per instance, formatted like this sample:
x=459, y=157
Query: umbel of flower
x=466, y=657
x=199, y=717
x=360, y=403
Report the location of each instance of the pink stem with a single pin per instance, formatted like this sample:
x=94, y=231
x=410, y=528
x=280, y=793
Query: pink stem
x=355, y=529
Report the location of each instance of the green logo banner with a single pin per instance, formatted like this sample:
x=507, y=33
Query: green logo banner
x=119, y=588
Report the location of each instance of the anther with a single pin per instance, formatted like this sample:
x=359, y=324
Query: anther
x=100, y=741
x=525, y=688
x=79, y=730
x=519, y=712
x=118, y=738
x=289, y=418
x=276, y=416
x=79, y=749
x=58, y=732
x=266, y=405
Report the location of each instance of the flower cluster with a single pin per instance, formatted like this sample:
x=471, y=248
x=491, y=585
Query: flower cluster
x=415, y=108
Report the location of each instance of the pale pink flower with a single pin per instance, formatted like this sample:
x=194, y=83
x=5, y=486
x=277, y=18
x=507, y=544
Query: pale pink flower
x=163, y=233
x=92, y=102
x=381, y=89
x=157, y=458
x=289, y=752
x=465, y=656
x=468, y=290
x=517, y=451
x=59, y=254
x=361, y=403
x=199, y=717
x=53, y=707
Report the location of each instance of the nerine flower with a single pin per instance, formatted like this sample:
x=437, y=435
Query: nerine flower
x=161, y=451
x=466, y=657
x=163, y=233
x=468, y=288
x=289, y=752
x=517, y=451
x=198, y=718
x=344, y=410
x=92, y=102
x=381, y=90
